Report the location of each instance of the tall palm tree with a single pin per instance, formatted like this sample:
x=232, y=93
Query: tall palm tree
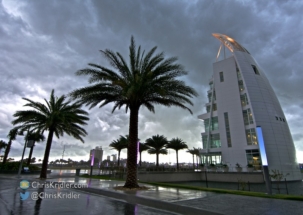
x=148, y=80
x=35, y=137
x=119, y=144
x=157, y=146
x=57, y=117
x=194, y=152
x=176, y=144
x=12, y=134
x=142, y=147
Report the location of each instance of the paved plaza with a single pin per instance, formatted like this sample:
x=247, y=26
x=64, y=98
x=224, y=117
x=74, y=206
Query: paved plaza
x=94, y=196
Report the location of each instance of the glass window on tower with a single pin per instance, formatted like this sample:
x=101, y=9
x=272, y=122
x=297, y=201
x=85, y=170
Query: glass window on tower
x=247, y=116
x=241, y=86
x=250, y=118
x=221, y=77
x=206, y=124
x=251, y=137
x=227, y=128
x=255, y=70
x=253, y=158
x=209, y=95
x=215, y=141
x=208, y=108
x=211, y=85
x=214, y=124
x=204, y=141
x=244, y=100
x=239, y=74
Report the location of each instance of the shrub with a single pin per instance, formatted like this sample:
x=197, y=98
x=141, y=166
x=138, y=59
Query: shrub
x=14, y=166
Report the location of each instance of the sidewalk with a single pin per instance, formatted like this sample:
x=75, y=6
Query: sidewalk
x=99, y=197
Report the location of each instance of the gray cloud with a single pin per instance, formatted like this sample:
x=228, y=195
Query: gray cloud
x=43, y=44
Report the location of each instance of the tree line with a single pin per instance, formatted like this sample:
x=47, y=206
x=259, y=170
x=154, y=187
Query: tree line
x=157, y=144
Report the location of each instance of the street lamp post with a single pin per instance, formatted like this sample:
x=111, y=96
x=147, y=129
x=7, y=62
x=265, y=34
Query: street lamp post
x=62, y=157
x=138, y=151
x=92, y=162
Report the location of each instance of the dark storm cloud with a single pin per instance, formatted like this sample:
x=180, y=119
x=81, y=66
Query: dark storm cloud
x=43, y=44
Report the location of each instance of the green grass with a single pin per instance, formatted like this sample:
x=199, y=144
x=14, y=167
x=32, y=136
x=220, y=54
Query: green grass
x=215, y=190
x=234, y=192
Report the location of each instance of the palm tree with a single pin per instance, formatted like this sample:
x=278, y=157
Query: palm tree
x=147, y=80
x=142, y=147
x=176, y=144
x=157, y=146
x=194, y=152
x=57, y=117
x=119, y=144
x=12, y=134
x=2, y=145
x=36, y=137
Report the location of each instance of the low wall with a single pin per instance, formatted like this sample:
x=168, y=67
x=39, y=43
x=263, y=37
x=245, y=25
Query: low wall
x=252, y=177
x=25, y=173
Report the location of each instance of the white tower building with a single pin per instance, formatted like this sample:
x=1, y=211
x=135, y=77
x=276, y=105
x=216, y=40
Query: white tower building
x=241, y=99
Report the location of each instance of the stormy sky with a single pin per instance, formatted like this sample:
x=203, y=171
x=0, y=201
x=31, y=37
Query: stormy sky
x=43, y=44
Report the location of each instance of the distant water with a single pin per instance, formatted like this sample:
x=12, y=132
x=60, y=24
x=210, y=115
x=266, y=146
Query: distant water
x=82, y=171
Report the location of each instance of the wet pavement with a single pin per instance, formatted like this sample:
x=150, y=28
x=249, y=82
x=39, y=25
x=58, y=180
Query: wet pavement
x=94, y=196
x=84, y=203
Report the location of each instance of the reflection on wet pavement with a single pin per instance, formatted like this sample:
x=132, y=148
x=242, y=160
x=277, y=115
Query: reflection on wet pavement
x=93, y=204
x=11, y=204
x=154, y=192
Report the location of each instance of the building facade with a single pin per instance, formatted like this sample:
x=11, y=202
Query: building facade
x=97, y=153
x=114, y=157
x=240, y=99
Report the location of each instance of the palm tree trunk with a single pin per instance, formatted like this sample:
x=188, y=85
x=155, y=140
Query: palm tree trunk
x=157, y=160
x=30, y=156
x=132, y=149
x=46, y=154
x=193, y=161
x=140, y=159
x=119, y=158
x=177, y=160
x=8, y=148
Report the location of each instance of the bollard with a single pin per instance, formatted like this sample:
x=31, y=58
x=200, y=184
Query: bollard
x=78, y=172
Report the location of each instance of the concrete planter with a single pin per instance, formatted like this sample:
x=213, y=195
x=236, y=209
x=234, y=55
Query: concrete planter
x=212, y=168
x=203, y=168
x=239, y=169
x=225, y=169
x=250, y=169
